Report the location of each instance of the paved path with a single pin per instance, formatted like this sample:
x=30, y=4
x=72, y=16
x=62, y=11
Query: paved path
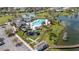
x=22, y=39
x=24, y=42
x=31, y=40
x=68, y=46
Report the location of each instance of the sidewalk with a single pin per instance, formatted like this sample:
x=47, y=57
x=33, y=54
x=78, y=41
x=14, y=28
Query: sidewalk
x=24, y=42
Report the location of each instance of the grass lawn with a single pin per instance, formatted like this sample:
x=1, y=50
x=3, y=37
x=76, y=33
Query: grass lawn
x=24, y=36
x=20, y=33
x=56, y=29
x=4, y=19
x=44, y=15
x=64, y=13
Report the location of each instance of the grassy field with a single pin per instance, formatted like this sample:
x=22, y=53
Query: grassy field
x=4, y=19
x=56, y=29
x=44, y=15
x=65, y=13
x=24, y=36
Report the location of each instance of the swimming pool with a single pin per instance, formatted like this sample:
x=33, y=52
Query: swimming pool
x=38, y=22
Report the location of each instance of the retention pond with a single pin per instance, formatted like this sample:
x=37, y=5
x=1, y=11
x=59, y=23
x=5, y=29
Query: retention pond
x=72, y=27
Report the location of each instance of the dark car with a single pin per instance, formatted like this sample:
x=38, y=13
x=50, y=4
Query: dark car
x=30, y=33
x=2, y=41
x=42, y=46
x=7, y=50
x=3, y=26
x=18, y=44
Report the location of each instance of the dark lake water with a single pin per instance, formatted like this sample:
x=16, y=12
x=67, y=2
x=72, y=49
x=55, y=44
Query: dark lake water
x=72, y=27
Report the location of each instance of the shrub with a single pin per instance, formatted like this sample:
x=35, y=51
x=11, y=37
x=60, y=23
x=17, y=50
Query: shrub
x=9, y=32
x=19, y=44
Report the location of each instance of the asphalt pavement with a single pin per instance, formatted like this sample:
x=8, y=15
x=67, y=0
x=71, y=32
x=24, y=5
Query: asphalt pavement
x=9, y=44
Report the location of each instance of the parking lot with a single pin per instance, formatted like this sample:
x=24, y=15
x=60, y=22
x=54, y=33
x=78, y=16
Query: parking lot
x=9, y=44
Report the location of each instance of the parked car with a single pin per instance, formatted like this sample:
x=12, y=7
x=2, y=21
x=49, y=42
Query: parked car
x=2, y=41
x=19, y=44
x=30, y=33
x=41, y=46
x=7, y=50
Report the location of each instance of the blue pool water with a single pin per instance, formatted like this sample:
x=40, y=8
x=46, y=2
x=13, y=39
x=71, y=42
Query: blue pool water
x=38, y=22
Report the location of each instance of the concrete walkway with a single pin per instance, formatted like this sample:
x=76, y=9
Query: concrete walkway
x=24, y=42
x=33, y=41
x=66, y=46
x=22, y=39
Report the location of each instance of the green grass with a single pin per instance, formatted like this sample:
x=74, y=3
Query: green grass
x=44, y=15
x=24, y=36
x=56, y=29
x=4, y=19
x=20, y=33
x=65, y=13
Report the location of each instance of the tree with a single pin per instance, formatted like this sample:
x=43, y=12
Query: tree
x=9, y=32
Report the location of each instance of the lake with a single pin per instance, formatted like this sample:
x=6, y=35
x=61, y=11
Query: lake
x=71, y=24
